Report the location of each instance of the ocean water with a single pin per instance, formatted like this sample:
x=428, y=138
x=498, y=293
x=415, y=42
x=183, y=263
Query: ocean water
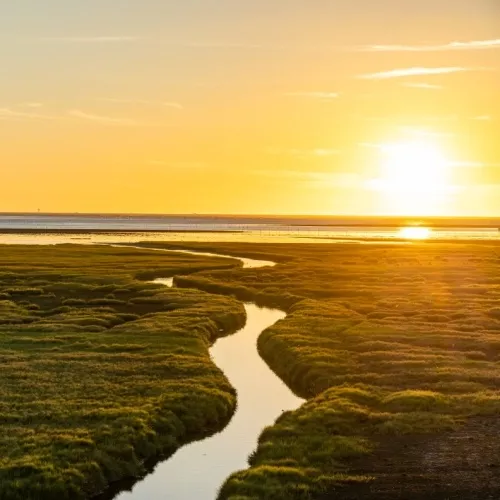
x=30, y=228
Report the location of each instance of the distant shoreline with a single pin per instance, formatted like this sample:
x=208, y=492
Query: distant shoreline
x=277, y=227
x=14, y=222
x=111, y=231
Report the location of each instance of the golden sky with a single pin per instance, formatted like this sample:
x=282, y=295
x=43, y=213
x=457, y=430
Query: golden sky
x=269, y=106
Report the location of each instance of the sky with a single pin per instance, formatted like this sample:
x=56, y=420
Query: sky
x=263, y=106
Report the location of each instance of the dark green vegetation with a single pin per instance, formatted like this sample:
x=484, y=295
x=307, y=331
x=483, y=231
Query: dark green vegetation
x=397, y=349
x=100, y=371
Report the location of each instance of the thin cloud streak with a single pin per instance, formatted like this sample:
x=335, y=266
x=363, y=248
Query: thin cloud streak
x=425, y=86
x=222, y=45
x=105, y=120
x=91, y=39
x=166, y=104
x=470, y=45
x=425, y=119
x=11, y=114
x=416, y=71
x=31, y=104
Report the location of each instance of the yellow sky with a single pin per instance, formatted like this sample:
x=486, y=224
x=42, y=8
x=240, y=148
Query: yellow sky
x=261, y=107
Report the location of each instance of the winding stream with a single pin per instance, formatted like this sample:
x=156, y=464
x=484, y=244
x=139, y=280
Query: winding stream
x=198, y=470
x=247, y=263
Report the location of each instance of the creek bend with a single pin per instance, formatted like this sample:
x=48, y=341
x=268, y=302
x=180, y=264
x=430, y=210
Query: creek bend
x=198, y=470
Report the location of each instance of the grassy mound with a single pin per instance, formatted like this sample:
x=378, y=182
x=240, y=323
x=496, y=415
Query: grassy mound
x=387, y=343
x=100, y=372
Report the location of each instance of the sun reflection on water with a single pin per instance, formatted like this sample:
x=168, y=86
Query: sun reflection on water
x=415, y=233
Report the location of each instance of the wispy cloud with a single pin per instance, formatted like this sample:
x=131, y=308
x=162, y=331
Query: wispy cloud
x=426, y=86
x=8, y=113
x=402, y=122
x=416, y=71
x=483, y=118
x=104, y=120
x=418, y=132
x=31, y=104
x=469, y=45
x=323, y=96
x=222, y=45
x=91, y=39
x=162, y=41
x=13, y=114
x=142, y=102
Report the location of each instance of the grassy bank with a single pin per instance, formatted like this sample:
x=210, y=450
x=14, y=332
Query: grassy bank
x=393, y=346
x=100, y=371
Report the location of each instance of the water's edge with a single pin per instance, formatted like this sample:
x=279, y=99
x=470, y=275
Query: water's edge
x=199, y=469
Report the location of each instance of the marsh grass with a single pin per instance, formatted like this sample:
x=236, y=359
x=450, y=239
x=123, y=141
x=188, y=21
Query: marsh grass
x=99, y=371
x=384, y=341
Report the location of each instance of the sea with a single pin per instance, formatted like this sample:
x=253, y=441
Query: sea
x=81, y=228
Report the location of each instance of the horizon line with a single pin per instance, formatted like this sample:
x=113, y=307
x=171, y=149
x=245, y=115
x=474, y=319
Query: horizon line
x=241, y=214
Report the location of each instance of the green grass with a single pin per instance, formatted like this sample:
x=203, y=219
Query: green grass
x=99, y=371
x=384, y=341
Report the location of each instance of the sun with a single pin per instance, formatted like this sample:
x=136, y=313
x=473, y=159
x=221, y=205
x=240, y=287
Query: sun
x=414, y=178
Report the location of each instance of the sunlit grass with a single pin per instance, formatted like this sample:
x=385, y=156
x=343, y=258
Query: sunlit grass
x=100, y=371
x=384, y=341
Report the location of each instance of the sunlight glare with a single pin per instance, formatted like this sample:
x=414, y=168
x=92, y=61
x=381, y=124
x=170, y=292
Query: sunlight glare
x=415, y=178
x=415, y=233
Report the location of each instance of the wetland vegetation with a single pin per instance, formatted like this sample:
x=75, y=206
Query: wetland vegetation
x=101, y=371
x=396, y=348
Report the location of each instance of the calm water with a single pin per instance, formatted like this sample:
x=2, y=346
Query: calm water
x=198, y=470
x=223, y=228
x=247, y=263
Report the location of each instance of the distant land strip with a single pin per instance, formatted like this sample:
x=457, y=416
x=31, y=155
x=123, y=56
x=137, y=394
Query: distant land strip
x=79, y=232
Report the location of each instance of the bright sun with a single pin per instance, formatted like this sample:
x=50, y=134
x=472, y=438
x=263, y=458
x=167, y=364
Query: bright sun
x=415, y=178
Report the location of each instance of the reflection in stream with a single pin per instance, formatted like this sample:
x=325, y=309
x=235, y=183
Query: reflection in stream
x=198, y=470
